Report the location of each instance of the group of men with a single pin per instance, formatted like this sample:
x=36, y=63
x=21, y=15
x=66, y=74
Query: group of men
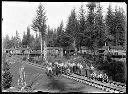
x=99, y=76
x=64, y=68
x=56, y=68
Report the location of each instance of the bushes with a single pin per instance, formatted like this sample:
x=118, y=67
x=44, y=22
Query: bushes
x=6, y=76
x=114, y=69
x=120, y=77
x=6, y=80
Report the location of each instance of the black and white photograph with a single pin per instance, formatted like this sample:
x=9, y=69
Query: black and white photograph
x=64, y=47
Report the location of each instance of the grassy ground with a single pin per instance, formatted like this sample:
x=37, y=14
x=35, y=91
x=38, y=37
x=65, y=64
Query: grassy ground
x=16, y=62
x=14, y=68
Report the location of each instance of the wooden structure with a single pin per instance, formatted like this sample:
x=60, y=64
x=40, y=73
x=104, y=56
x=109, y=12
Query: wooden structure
x=117, y=50
x=114, y=51
x=85, y=50
x=68, y=49
x=18, y=51
x=54, y=52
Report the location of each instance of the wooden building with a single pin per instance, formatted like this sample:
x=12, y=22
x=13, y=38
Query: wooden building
x=54, y=52
x=84, y=49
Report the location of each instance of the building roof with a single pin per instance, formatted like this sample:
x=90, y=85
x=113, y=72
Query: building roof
x=54, y=48
x=36, y=52
x=18, y=49
x=113, y=47
x=117, y=47
x=69, y=48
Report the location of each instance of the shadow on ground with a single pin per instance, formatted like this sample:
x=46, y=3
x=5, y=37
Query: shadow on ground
x=60, y=86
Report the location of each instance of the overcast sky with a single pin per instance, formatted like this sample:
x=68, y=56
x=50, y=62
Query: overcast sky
x=19, y=15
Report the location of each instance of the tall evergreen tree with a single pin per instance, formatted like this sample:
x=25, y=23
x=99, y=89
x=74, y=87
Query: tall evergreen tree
x=99, y=34
x=24, y=40
x=72, y=27
x=90, y=26
x=28, y=37
x=54, y=37
x=109, y=20
x=49, y=37
x=7, y=42
x=60, y=29
x=81, y=19
x=17, y=39
x=60, y=32
x=119, y=24
x=39, y=23
x=81, y=34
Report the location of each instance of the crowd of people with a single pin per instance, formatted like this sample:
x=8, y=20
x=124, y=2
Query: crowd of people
x=56, y=69
x=64, y=68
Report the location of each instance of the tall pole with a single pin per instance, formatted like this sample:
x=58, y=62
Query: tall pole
x=2, y=40
x=45, y=51
x=45, y=48
x=41, y=44
x=125, y=47
x=126, y=32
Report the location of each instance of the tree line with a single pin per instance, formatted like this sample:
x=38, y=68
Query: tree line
x=89, y=28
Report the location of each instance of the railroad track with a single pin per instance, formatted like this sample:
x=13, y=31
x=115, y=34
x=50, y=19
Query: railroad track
x=117, y=84
x=104, y=87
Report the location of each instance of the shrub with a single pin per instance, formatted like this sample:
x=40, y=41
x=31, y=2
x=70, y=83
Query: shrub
x=5, y=66
x=6, y=76
x=114, y=69
x=6, y=80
